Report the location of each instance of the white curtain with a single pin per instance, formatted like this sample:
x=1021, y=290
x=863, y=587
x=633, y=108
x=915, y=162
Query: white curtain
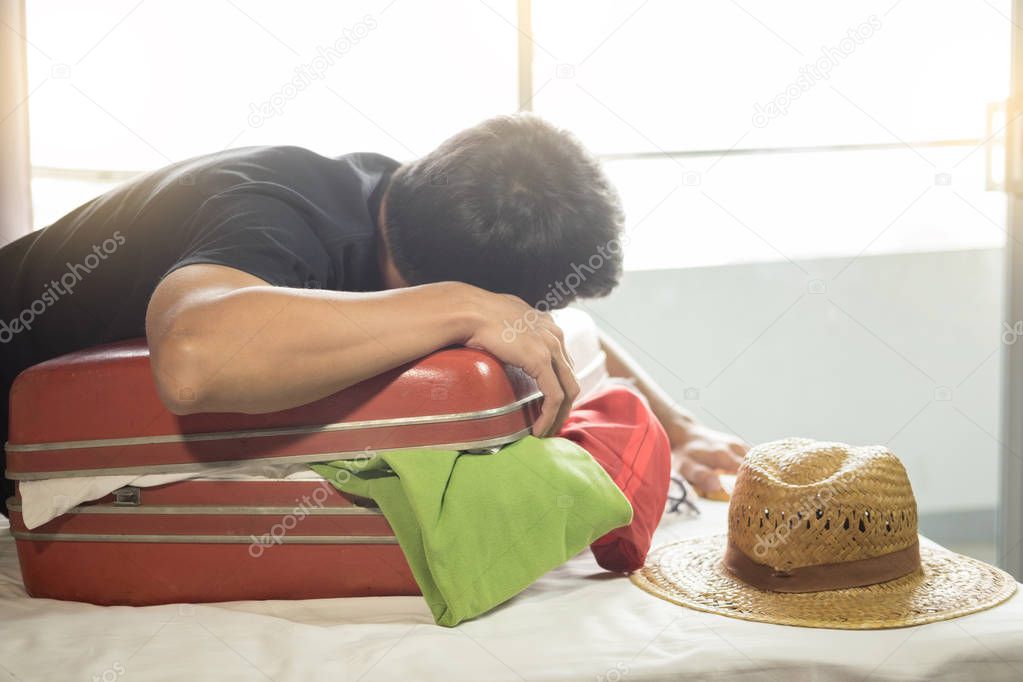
x=15, y=189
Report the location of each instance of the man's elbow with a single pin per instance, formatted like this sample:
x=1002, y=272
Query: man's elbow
x=177, y=365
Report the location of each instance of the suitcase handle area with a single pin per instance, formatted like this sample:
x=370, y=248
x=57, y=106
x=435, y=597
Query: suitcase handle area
x=97, y=411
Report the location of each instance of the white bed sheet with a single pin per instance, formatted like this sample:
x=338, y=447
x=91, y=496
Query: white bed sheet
x=576, y=623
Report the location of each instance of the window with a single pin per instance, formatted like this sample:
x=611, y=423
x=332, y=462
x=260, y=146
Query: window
x=140, y=84
x=735, y=131
x=741, y=131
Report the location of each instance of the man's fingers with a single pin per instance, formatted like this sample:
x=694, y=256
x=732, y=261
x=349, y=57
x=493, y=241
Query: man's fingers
x=540, y=352
x=739, y=459
x=553, y=397
x=566, y=377
x=739, y=449
x=730, y=462
x=704, y=480
x=720, y=457
x=703, y=454
x=547, y=322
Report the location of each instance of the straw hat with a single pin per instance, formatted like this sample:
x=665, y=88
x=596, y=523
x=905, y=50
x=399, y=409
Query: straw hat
x=823, y=535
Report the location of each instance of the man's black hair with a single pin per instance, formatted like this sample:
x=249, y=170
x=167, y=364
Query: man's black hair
x=512, y=205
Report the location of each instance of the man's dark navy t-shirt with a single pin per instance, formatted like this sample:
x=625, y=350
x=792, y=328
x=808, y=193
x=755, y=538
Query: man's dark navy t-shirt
x=284, y=214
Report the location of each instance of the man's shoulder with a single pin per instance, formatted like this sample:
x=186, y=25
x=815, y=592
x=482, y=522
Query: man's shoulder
x=285, y=155
x=263, y=155
x=270, y=153
x=369, y=162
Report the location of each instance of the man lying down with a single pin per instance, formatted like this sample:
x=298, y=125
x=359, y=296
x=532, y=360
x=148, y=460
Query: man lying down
x=269, y=277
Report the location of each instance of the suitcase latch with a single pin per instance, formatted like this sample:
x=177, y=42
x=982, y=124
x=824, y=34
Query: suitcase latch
x=481, y=451
x=128, y=496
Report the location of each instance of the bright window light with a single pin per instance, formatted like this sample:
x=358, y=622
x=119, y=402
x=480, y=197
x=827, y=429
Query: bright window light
x=735, y=131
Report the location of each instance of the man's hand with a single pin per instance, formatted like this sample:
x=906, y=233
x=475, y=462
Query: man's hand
x=520, y=335
x=702, y=453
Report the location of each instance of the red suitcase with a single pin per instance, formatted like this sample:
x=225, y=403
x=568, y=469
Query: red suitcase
x=96, y=412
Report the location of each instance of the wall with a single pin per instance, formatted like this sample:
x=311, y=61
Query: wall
x=896, y=349
x=15, y=201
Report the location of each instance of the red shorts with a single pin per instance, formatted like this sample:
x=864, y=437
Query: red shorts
x=619, y=430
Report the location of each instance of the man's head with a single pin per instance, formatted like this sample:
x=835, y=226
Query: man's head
x=512, y=205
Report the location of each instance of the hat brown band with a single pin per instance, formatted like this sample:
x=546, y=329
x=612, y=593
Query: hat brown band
x=822, y=577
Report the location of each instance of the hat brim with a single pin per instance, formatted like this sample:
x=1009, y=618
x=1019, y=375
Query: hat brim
x=948, y=585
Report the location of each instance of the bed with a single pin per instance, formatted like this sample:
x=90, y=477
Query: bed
x=576, y=623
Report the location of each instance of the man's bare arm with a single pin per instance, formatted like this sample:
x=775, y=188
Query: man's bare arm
x=222, y=340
